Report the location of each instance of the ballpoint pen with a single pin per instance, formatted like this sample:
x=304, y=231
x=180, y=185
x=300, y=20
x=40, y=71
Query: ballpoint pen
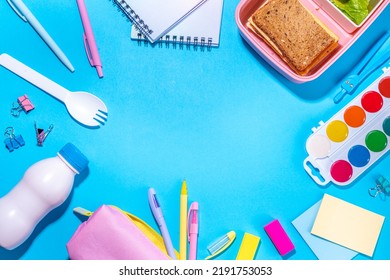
x=158, y=215
x=89, y=39
x=25, y=14
x=183, y=221
x=193, y=226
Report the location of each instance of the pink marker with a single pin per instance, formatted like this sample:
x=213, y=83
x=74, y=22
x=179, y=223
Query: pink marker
x=193, y=226
x=279, y=237
x=89, y=39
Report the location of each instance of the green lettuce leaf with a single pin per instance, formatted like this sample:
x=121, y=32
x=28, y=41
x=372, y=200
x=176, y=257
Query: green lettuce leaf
x=356, y=10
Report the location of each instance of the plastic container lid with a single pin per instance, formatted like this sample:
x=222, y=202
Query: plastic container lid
x=74, y=157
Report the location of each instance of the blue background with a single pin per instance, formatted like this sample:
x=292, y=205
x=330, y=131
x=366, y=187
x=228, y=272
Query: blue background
x=223, y=119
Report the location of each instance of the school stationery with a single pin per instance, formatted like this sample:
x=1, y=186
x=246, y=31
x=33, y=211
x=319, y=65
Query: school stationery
x=41, y=134
x=84, y=107
x=193, y=227
x=23, y=104
x=322, y=248
x=25, y=14
x=370, y=63
x=159, y=217
x=89, y=39
x=11, y=140
x=183, y=221
x=221, y=244
x=279, y=237
x=113, y=234
x=353, y=139
x=248, y=247
x=155, y=18
x=381, y=188
x=348, y=225
x=201, y=28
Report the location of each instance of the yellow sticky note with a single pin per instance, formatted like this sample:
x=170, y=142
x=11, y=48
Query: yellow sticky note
x=248, y=247
x=348, y=225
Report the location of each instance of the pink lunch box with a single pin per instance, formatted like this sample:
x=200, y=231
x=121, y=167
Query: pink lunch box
x=346, y=38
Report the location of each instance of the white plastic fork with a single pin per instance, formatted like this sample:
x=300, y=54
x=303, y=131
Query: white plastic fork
x=84, y=107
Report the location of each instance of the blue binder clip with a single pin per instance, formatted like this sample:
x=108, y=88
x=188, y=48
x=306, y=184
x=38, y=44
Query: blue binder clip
x=382, y=188
x=12, y=141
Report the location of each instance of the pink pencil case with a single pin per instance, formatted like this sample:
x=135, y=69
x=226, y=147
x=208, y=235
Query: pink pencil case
x=112, y=234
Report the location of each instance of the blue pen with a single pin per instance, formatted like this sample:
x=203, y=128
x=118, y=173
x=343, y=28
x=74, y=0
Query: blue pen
x=158, y=215
x=21, y=10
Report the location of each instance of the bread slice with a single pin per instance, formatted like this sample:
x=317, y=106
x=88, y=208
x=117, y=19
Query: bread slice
x=299, y=37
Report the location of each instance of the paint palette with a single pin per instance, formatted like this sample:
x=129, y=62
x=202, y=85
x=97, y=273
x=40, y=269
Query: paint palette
x=353, y=139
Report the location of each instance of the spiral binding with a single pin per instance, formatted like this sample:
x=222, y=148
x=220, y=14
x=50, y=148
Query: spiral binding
x=143, y=31
x=134, y=18
x=188, y=41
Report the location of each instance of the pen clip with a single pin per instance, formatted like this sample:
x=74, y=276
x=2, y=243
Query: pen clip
x=192, y=218
x=155, y=207
x=87, y=50
x=17, y=11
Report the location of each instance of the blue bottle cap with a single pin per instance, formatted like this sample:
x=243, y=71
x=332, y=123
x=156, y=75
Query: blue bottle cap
x=74, y=157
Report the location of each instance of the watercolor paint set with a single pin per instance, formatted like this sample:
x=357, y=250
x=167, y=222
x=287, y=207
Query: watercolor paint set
x=353, y=139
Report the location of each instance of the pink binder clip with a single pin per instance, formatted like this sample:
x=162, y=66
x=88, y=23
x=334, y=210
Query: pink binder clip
x=24, y=104
x=41, y=134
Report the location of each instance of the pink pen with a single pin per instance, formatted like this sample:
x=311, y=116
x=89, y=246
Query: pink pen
x=193, y=226
x=89, y=39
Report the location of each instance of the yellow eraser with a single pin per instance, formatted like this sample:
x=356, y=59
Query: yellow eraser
x=248, y=247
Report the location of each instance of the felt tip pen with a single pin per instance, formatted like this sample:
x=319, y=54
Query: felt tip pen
x=89, y=39
x=183, y=221
x=193, y=229
x=159, y=217
x=25, y=14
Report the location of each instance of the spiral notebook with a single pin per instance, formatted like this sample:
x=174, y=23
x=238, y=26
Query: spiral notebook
x=155, y=18
x=202, y=27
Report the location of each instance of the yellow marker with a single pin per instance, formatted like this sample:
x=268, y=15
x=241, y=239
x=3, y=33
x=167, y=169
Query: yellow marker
x=183, y=221
x=248, y=247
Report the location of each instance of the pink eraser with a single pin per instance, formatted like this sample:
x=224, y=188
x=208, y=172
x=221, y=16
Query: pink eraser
x=279, y=237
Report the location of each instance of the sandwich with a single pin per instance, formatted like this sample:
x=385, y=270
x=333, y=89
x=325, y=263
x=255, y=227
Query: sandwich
x=295, y=34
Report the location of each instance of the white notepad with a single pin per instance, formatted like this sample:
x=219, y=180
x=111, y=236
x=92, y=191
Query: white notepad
x=155, y=18
x=202, y=27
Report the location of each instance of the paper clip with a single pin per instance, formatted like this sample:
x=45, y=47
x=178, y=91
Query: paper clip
x=23, y=104
x=41, y=134
x=382, y=187
x=11, y=141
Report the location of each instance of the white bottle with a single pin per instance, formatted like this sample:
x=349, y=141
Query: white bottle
x=44, y=186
